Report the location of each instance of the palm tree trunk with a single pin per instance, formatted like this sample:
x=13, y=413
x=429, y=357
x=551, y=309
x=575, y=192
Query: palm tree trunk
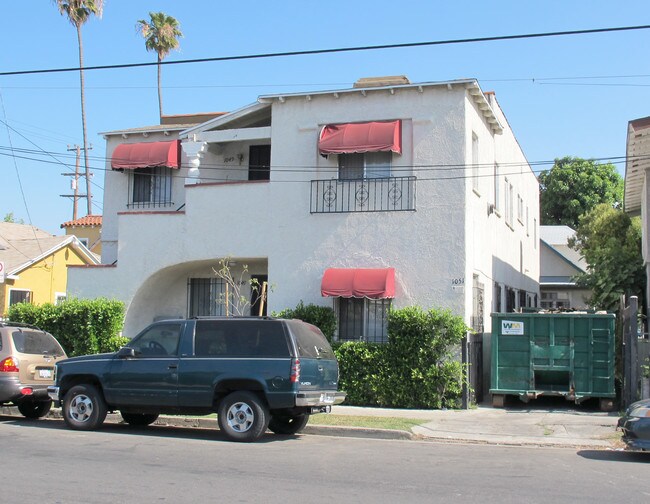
x=83, y=120
x=160, y=88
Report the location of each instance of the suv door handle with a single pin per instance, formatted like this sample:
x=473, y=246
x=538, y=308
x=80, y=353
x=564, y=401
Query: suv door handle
x=172, y=366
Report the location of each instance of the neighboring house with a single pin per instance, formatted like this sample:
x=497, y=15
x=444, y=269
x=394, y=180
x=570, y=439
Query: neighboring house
x=385, y=194
x=36, y=264
x=89, y=230
x=559, y=265
x=637, y=185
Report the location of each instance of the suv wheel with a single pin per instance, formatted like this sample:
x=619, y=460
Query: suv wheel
x=139, y=419
x=34, y=409
x=286, y=424
x=83, y=408
x=243, y=416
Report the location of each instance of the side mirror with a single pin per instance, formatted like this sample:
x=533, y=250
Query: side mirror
x=126, y=352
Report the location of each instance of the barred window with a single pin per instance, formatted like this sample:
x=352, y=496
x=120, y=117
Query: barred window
x=151, y=187
x=362, y=319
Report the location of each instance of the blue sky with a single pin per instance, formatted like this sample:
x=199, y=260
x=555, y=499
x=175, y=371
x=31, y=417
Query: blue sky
x=570, y=95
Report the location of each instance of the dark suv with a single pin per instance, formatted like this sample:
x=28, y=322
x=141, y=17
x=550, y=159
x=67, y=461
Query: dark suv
x=255, y=373
x=27, y=358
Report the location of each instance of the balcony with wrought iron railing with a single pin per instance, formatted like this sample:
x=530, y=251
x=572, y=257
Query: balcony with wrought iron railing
x=390, y=194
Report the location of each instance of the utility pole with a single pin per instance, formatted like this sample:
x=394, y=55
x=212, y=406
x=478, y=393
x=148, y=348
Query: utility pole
x=75, y=183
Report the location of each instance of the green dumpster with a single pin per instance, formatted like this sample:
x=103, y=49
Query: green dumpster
x=560, y=354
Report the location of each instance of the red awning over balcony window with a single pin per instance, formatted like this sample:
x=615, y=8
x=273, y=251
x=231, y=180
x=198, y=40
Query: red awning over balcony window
x=358, y=282
x=361, y=137
x=147, y=154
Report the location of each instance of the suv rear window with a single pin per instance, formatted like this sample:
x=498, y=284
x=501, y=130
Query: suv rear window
x=240, y=338
x=28, y=341
x=311, y=341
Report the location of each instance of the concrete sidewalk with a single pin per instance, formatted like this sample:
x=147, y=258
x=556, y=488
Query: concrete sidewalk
x=515, y=426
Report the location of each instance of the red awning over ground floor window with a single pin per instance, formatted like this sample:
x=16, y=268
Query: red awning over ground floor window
x=147, y=154
x=373, y=283
x=377, y=136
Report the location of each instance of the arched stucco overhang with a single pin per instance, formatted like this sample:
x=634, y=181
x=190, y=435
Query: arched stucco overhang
x=165, y=293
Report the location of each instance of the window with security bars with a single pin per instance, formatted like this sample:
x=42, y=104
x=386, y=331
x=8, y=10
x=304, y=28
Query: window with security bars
x=151, y=187
x=19, y=296
x=362, y=319
x=206, y=297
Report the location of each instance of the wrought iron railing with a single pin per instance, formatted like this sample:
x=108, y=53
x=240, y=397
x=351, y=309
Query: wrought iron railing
x=391, y=194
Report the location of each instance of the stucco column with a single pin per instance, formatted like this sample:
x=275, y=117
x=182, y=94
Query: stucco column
x=194, y=152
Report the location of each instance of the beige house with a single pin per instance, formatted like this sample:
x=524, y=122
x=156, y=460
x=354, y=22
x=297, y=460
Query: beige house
x=637, y=186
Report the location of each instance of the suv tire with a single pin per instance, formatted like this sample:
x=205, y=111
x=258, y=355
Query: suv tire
x=286, y=424
x=83, y=408
x=139, y=419
x=34, y=409
x=243, y=416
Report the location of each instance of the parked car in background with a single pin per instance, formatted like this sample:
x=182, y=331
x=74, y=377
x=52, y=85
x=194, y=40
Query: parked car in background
x=254, y=372
x=635, y=424
x=27, y=359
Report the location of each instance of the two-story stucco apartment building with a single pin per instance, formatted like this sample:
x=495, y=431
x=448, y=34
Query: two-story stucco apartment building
x=386, y=194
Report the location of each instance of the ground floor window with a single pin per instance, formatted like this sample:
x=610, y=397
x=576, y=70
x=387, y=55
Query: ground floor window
x=206, y=297
x=362, y=319
x=19, y=296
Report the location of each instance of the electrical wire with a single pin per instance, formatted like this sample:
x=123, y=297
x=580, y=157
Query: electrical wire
x=334, y=50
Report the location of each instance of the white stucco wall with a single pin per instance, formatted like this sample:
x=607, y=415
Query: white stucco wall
x=268, y=224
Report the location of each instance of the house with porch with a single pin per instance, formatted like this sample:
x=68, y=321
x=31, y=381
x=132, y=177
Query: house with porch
x=385, y=194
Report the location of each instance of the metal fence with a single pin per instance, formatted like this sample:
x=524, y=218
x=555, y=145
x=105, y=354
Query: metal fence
x=391, y=194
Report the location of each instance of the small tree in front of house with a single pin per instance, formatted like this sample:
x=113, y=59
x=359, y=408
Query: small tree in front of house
x=234, y=298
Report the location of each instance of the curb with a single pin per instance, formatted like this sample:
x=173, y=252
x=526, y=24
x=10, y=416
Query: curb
x=211, y=423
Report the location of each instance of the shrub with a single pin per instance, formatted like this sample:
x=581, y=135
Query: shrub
x=81, y=326
x=321, y=316
x=415, y=369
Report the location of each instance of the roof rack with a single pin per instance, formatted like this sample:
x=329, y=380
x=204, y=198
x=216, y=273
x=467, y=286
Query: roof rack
x=9, y=323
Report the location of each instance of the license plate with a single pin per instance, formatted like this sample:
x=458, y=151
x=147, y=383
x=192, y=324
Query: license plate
x=327, y=398
x=45, y=373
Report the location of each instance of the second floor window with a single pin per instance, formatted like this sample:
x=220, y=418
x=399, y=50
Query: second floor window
x=151, y=187
x=365, y=165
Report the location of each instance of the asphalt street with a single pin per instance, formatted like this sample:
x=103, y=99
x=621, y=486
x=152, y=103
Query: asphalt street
x=51, y=464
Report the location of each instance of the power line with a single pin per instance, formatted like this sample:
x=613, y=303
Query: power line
x=434, y=172
x=335, y=50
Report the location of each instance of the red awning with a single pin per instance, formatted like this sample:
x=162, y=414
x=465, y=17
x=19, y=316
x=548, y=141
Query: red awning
x=147, y=154
x=376, y=283
x=361, y=137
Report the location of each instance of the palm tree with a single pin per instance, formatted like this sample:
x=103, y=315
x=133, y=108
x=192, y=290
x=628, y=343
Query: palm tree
x=161, y=35
x=78, y=12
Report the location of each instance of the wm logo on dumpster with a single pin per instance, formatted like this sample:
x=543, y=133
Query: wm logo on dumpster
x=512, y=327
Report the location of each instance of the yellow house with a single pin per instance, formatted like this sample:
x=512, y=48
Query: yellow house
x=34, y=264
x=88, y=229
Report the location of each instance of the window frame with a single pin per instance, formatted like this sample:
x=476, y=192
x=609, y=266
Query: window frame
x=150, y=187
x=378, y=323
x=28, y=296
x=365, y=162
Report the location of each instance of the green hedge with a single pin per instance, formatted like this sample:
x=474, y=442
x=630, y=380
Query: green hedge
x=81, y=326
x=415, y=369
x=321, y=316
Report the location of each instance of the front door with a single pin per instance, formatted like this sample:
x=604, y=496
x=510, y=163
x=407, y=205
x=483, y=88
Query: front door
x=151, y=377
